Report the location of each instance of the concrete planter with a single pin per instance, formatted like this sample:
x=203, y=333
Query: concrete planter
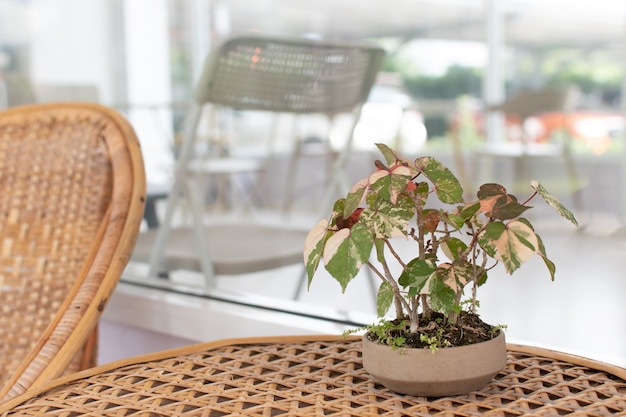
x=447, y=371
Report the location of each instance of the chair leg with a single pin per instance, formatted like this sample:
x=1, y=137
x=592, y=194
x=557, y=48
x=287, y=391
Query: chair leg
x=291, y=177
x=574, y=183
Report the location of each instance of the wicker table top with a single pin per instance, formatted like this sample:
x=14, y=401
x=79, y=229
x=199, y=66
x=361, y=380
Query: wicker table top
x=321, y=376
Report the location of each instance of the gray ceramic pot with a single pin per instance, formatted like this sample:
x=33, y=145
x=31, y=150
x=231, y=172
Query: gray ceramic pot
x=447, y=371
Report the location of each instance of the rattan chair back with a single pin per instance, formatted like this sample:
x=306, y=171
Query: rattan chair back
x=72, y=192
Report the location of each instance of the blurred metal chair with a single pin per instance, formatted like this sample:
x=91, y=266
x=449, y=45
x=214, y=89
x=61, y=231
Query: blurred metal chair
x=72, y=192
x=17, y=90
x=276, y=75
x=522, y=107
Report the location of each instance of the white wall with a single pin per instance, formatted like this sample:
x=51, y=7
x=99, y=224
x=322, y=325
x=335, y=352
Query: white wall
x=69, y=44
x=148, y=82
x=75, y=42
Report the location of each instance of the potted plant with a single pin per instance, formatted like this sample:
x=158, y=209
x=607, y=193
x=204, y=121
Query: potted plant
x=433, y=250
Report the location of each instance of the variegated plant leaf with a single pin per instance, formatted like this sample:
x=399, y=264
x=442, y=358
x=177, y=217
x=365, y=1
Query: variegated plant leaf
x=393, y=160
x=338, y=210
x=554, y=202
x=355, y=197
x=456, y=275
x=416, y=273
x=346, y=251
x=447, y=186
x=384, y=299
x=388, y=185
x=390, y=156
x=442, y=297
x=542, y=252
x=313, y=246
x=515, y=244
x=453, y=247
x=388, y=220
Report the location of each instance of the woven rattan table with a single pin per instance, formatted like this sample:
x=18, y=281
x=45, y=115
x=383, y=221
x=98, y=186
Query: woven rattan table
x=315, y=376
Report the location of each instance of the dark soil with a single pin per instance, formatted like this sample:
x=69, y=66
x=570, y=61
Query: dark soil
x=468, y=330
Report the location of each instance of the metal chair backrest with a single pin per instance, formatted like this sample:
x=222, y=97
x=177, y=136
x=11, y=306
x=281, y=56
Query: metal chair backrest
x=72, y=193
x=289, y=75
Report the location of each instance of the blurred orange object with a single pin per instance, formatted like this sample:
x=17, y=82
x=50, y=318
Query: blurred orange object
x=596, y=129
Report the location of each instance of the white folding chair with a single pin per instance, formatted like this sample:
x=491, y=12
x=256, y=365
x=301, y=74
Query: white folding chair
x=279, y=75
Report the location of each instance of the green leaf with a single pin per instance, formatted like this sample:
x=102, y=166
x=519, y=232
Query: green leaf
x=379, y=244
x=469, y=210
x=313, y=246
x=346, y=251
x=447, y=186
x=453, y=220
x=416, y=273
x=422, y=190
x=452, y=247
x=482, y=277
x=549, y=264
x=554, y=202
x=413, y=292
x=442, y=297
x=338, y=211
x=384, y=298
x=388, y=153
x=355, y=197
x=492, y=232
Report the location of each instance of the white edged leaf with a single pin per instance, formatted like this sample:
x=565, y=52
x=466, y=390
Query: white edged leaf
x=515, y=245
x=313, y=246
x=346, y=251
x=384, y=298
x=554, y=202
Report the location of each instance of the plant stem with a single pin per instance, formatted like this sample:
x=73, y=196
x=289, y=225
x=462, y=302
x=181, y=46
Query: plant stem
x=414, y=315
x=394, y=253
x=425, y=306
x=529, y=198
x=398, y=299
x=474, y=270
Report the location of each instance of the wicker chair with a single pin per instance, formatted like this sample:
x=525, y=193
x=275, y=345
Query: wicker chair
x=72, y=192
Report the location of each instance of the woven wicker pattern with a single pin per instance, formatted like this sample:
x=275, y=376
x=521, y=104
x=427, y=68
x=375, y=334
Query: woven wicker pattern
x=61, y=173
x=318, y=378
